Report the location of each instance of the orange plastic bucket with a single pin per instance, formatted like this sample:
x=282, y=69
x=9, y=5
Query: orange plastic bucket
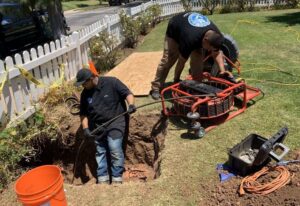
x=41, y=186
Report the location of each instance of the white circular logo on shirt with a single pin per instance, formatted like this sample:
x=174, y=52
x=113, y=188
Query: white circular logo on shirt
x=198, y=20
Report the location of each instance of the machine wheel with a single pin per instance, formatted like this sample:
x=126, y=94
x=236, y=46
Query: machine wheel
x=230, y=48
x=193, y=115
x=201, y=132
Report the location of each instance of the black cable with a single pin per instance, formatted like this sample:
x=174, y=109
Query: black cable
x=148, y=104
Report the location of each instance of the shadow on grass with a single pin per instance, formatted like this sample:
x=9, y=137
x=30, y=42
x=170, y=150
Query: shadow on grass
x=289, y=19
x=183, y=125
x=82, y=5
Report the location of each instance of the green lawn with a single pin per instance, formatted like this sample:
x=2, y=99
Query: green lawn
x=83, y=5
x=188, y=165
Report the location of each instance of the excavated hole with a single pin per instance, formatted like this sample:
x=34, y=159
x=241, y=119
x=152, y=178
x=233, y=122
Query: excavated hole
x=142, y=151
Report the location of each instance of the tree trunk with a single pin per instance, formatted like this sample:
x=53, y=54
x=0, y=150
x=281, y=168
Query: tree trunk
x=57, y=19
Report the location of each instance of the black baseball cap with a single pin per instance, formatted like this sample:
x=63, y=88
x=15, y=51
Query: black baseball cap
x=82, y=76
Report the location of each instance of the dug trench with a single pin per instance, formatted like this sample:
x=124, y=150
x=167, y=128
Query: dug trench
x=142, y=146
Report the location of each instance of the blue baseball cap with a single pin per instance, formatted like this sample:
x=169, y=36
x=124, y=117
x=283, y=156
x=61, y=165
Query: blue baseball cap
x=82, y=76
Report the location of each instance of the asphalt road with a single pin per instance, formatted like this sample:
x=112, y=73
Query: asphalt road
x=79, y=20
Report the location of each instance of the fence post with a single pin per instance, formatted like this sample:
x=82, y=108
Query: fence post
x=143, y=7
x=107, y=19
x=76, y=39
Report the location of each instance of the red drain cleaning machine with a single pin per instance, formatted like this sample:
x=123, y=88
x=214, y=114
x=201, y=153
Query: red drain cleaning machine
x=210, y=100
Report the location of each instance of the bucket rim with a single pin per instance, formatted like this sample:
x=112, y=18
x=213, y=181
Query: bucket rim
x=41, y=199
x=32, y=170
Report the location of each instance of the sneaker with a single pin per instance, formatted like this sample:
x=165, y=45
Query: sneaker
x=155, y=94
x=103, y=180
x=116, y=180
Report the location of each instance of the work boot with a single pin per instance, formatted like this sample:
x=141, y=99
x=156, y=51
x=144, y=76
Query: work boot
x=155, y=94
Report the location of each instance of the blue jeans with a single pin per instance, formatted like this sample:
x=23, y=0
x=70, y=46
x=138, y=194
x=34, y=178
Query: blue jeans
x=114, y=147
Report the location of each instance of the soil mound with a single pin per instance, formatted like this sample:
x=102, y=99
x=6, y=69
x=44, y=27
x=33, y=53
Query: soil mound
x=227, y=193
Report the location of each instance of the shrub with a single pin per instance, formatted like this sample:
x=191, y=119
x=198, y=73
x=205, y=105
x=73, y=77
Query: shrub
x=209, y=5
x=205, y=12
x=292, y=3
x=104, y=51
x=155, y=12
x=145, y=22
x=228, y=9
x=239, y=6
x=131, y=30
x=17, y=144
x=187, y=5
x=56, y=95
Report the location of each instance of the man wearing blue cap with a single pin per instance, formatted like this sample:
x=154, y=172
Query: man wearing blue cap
x=102, y=99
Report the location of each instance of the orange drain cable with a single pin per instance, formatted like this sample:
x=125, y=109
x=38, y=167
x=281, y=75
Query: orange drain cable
x=250, y=184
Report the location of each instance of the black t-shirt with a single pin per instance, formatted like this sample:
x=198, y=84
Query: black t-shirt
x=188, y=29
x=104, y=102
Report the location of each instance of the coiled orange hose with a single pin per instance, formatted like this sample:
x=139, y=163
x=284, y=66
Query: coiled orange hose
x=250, y=184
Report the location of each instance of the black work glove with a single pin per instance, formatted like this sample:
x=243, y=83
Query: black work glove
x=88, y=134
x=228, y=76
x=131, y=109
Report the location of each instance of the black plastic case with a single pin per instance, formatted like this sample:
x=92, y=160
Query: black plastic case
x=255, y=151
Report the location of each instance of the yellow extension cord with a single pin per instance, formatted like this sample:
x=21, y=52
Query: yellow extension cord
x=275, y=68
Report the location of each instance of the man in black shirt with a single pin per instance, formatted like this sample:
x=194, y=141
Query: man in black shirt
x=102, y=99
x=188, y=35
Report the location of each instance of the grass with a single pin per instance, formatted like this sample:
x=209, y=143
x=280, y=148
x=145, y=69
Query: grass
x=188, y=166
x=82, y=5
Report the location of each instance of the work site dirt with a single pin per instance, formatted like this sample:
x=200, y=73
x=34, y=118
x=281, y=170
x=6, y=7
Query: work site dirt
x=142, y=148
x=227, y=193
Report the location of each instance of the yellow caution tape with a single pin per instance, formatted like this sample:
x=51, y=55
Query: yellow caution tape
x=3, y=79
x=29, y=76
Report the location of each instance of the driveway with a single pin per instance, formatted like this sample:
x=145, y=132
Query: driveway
x=81, y=19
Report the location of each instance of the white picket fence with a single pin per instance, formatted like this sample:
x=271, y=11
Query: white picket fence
x=170, y=7
x=19, y=96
